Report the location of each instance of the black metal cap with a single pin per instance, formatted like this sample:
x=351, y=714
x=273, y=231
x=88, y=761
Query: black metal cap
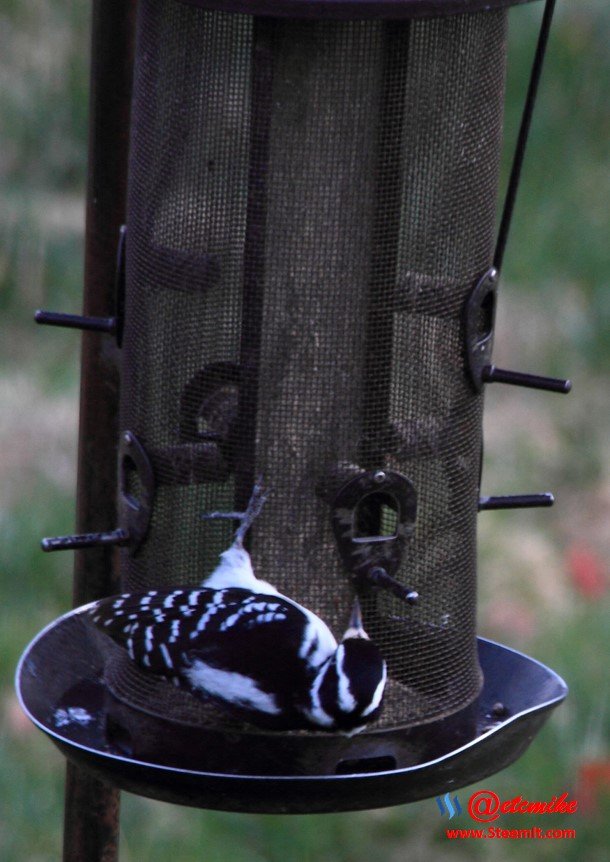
x=353, y=9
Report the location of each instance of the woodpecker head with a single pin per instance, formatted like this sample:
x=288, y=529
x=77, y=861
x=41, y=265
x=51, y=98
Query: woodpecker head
x=348, y=690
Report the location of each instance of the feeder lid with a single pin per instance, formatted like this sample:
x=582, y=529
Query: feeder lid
x=354, y=9
x=60, y=685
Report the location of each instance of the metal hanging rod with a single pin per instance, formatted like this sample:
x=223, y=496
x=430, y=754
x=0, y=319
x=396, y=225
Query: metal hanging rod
x=76, y=321
x=112, y=325
x=85, y=540
x=516, y=501
x=493, y=374
x=526, y=118
x=378, y=577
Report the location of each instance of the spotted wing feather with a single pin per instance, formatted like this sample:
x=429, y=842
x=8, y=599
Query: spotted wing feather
x=253, y=651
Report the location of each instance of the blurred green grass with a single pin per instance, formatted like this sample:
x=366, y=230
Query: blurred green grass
x=553, y=318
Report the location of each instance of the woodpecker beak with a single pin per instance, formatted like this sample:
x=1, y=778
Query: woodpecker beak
x=355, y=628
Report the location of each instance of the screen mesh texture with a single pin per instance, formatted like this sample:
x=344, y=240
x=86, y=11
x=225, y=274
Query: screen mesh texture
x=311, y=203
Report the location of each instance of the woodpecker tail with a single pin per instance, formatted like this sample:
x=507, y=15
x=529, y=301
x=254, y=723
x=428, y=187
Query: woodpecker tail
x=355, y=627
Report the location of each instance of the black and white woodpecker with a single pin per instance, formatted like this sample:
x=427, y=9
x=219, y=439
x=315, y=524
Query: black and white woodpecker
x=257, y=653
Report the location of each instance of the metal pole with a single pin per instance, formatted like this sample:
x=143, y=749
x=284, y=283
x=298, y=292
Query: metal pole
x=92, y=807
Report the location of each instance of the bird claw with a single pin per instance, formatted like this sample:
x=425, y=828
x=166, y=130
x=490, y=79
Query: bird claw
x=257, y=500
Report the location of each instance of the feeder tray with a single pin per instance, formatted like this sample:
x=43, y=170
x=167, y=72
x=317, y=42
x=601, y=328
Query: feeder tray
x=70, y=703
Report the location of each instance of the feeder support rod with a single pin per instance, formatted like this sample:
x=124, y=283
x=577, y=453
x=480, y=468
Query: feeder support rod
x=526, y=119
x=91, y=806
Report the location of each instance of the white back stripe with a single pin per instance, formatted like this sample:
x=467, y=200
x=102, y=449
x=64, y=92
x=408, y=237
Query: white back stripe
x=231, y=687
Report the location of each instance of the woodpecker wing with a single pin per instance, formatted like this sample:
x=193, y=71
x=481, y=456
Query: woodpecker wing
x=253, y=651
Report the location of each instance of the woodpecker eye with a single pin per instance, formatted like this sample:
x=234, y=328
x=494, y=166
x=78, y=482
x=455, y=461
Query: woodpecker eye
x=376, y=518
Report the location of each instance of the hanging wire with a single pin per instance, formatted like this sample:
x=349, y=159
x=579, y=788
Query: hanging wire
x=515, y=174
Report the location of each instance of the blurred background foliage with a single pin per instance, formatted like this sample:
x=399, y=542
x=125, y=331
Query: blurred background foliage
x=543, y=575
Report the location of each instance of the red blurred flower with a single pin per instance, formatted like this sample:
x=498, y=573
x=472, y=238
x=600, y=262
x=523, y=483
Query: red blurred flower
x=587, y=571
x=593, y=779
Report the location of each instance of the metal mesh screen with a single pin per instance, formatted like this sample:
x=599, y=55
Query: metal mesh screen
x=310, y=205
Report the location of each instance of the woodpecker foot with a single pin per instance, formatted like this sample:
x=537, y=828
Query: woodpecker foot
x=257, y=500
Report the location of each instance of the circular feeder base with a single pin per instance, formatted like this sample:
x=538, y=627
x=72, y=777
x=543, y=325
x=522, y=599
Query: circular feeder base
x=70, y=703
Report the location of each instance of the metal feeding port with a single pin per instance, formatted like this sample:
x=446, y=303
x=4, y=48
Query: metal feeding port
x=307, y=288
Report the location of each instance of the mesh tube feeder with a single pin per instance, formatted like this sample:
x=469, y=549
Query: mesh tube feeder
x=306, y=291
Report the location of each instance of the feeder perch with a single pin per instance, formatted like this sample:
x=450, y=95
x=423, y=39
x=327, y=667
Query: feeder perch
x=306, y=291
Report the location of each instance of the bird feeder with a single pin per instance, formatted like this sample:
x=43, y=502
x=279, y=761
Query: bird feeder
x=306, y=292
